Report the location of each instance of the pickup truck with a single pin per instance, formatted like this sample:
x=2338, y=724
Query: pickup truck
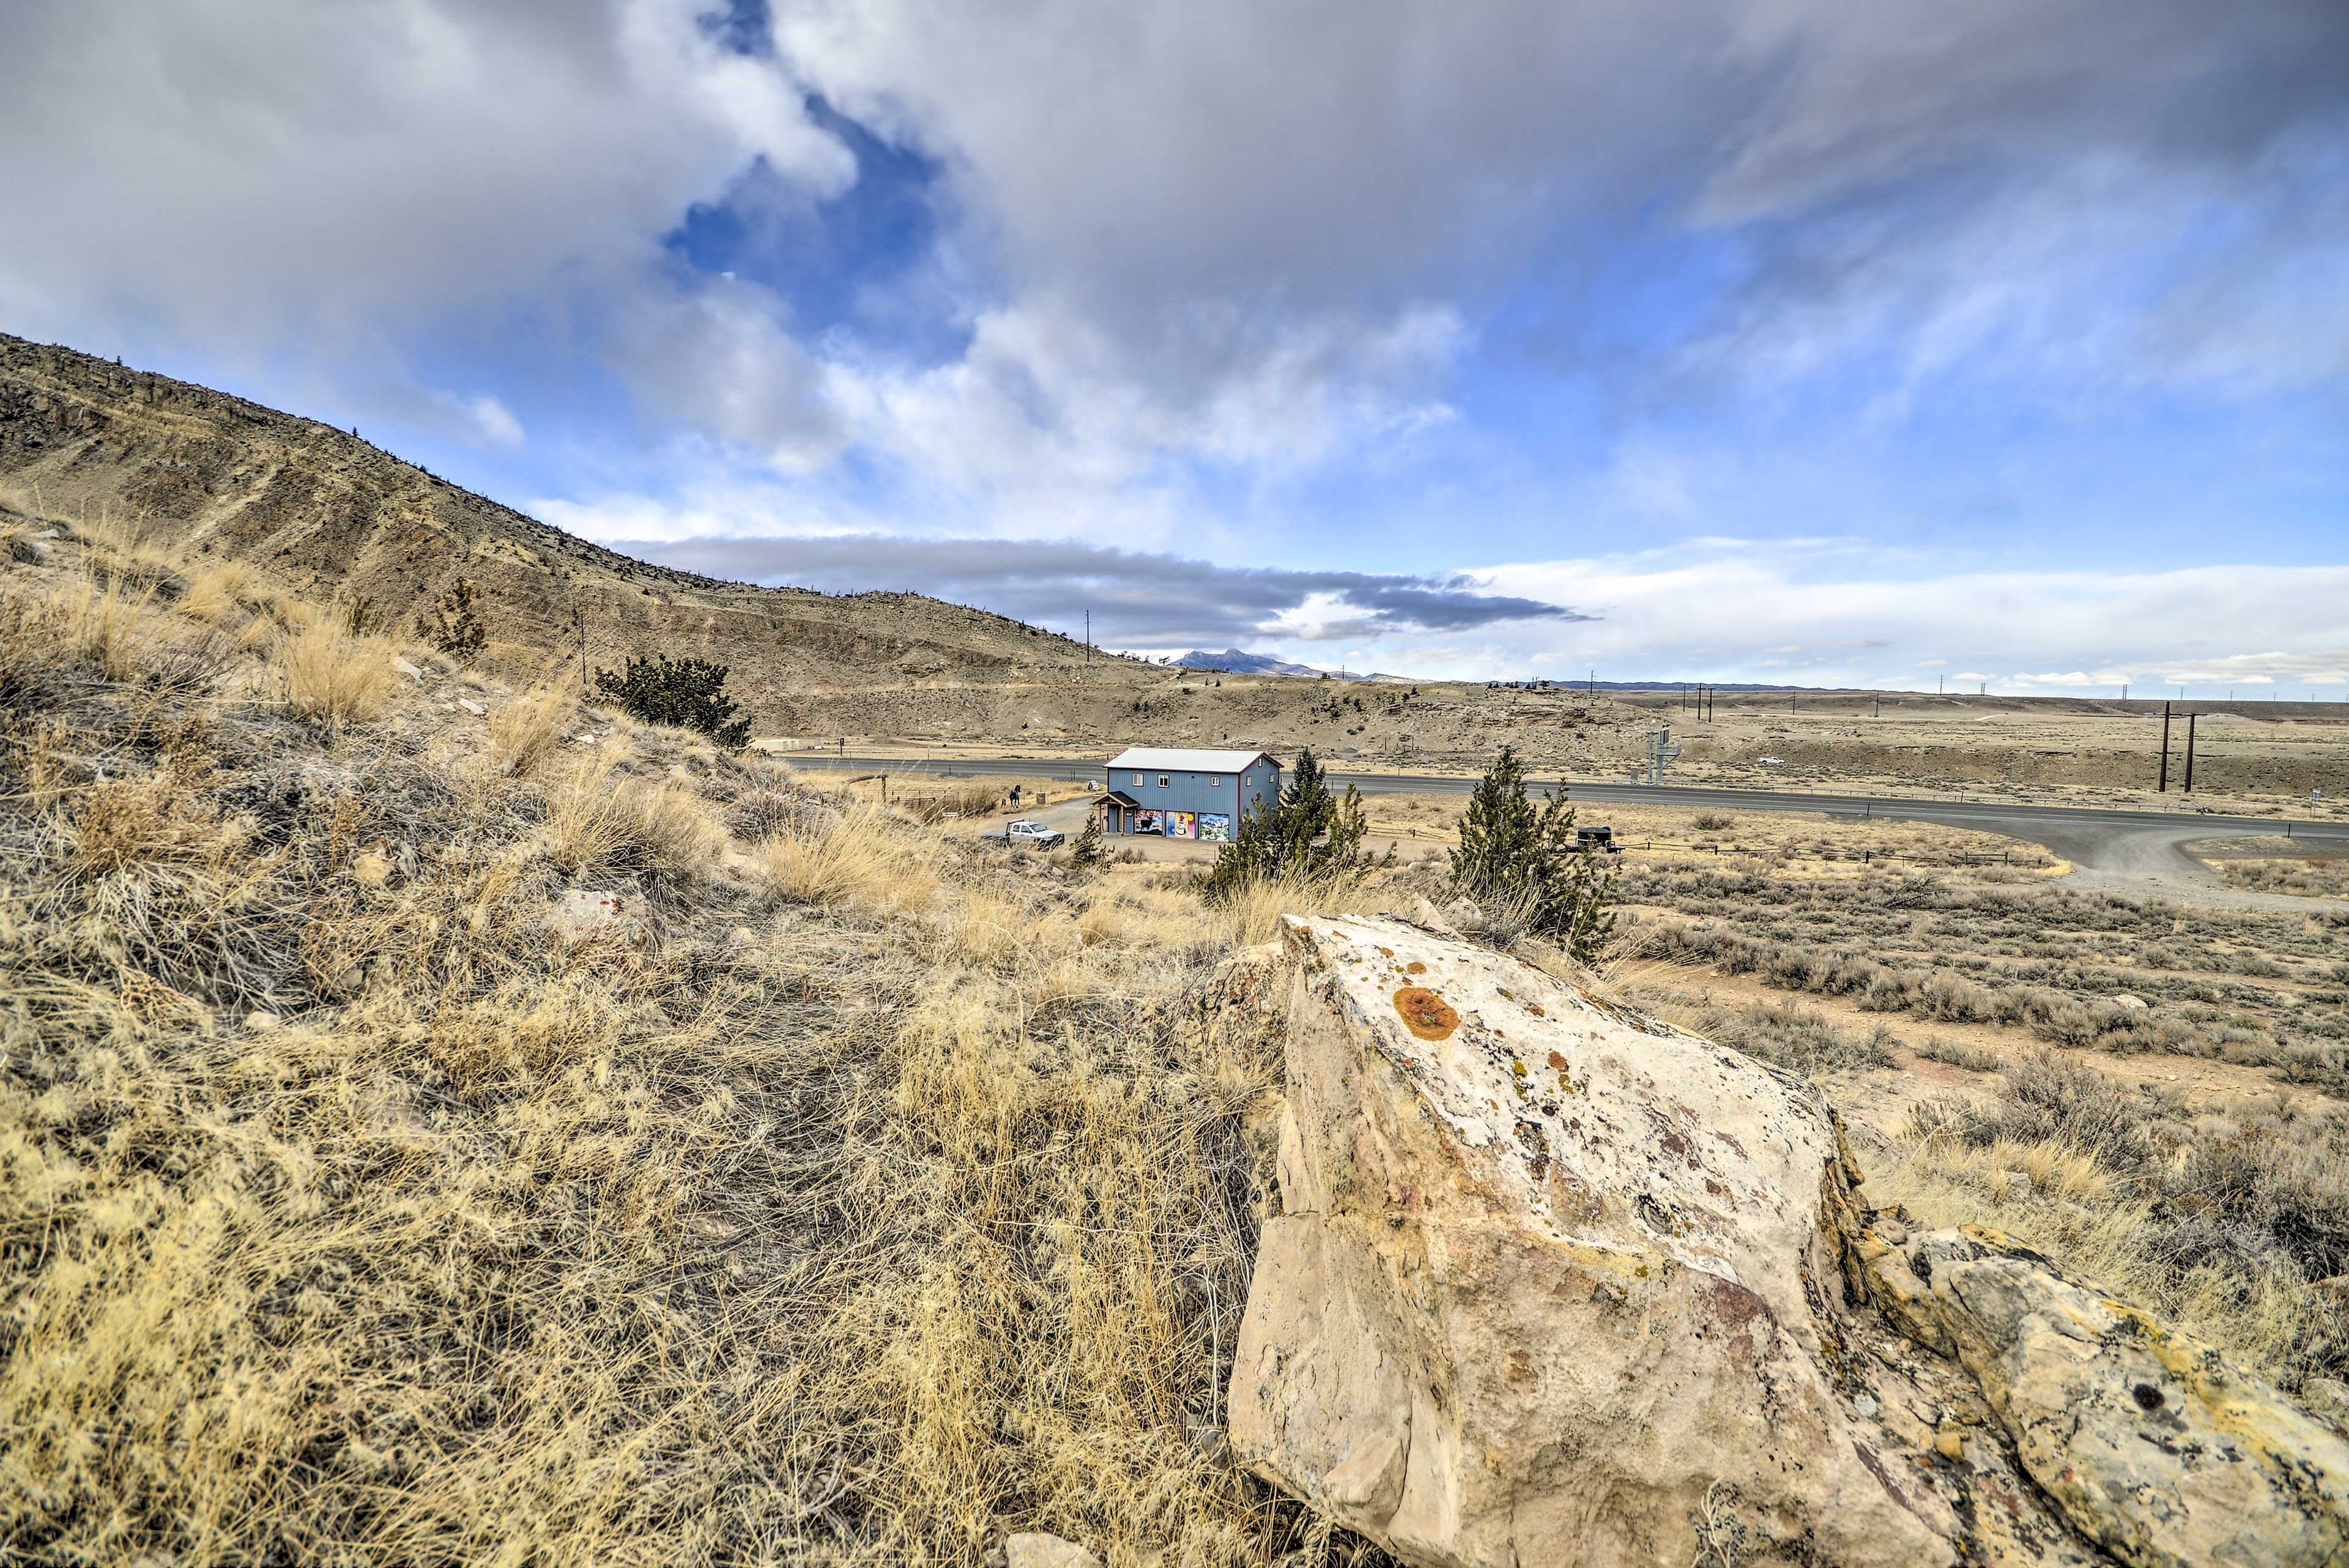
x=1026, y=832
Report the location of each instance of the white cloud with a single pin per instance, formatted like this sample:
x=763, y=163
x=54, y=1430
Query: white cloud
x=722, y=360
x=1202, y=249
x=1850, y=620
x=493, y=421
x=279, y=167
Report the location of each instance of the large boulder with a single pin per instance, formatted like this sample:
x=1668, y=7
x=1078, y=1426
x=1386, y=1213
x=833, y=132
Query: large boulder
x=2148, y=1442
x=1549, y=1282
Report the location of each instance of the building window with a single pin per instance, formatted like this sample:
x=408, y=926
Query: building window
x=1213, y=781
x=1137, y=781
x=1161, y=781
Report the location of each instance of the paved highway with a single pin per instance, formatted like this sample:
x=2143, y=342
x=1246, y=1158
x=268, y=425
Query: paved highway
x=2136, y=848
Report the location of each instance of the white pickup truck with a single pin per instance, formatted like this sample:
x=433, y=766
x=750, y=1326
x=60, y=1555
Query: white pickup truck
x=1026, y=832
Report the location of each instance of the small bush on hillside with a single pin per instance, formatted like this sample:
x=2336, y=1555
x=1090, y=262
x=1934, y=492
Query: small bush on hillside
x=454, y=626
x=1713, y=821
x=1310, y=839
x=688, y=693
x=1517, y=856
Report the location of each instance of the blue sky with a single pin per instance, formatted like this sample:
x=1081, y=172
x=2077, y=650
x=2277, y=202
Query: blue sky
x=1782, y=340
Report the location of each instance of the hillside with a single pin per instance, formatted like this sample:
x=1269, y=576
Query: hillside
x=444, y=1123
x=320, y=511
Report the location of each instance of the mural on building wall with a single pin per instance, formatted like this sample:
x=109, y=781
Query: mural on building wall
x=1147, y=822
x=1182, y=824
x=1216, y=826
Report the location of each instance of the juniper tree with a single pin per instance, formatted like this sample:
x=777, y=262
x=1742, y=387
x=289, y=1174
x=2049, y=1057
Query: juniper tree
x=1087, y=851
x=1310, y=836
x=1517, y=856
x=686, y=692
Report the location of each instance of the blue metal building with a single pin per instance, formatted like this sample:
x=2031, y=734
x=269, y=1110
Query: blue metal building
x=1174, y=793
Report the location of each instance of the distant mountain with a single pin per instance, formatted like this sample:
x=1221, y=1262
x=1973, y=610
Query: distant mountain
x=1232, y=661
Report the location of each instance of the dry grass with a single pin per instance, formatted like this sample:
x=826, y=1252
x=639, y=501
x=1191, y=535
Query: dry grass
x=854, y=856
x=525, y=730
x=104, y=623
x=335, y=679
x=220, y=592
x=2305, y=878
x=881, y=1201
x=602, y=821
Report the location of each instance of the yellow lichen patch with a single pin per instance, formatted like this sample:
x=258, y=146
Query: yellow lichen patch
x=1426, y=1014
x=1414, y=967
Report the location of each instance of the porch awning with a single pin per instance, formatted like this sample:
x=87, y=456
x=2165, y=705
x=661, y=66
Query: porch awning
x=1119, y=797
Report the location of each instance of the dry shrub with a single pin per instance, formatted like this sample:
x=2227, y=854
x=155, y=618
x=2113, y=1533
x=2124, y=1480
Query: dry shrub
x=2311, y=878
x=105, y=626
x=858, y=856
x=120, y=823
x=1251, y=913
x=602, y=820
x=1959, y=1053
x=1796, y=1037
x=525, y=730
x=335, y=679
x=218, y=592
x=767, y=808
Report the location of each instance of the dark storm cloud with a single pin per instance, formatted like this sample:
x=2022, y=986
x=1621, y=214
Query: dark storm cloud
x=1137, y=601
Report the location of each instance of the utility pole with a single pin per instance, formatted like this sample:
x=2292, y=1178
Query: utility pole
x=2189, y=751
x=1940, y=685
x=2164, y=785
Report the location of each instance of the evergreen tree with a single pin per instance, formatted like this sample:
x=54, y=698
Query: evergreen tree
x=686, y=692
x=1087, y=851
x=1308, y=836
x=1519, y=855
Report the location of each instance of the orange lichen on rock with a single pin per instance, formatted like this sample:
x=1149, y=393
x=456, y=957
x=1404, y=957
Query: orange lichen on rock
x=1414, y=967
x=1426, y=1014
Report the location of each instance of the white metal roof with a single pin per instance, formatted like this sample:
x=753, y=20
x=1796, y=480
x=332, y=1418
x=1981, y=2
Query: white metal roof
x=1169, y=759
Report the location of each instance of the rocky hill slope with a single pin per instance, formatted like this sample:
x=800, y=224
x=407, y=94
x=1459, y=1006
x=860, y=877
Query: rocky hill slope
x=322, y=513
